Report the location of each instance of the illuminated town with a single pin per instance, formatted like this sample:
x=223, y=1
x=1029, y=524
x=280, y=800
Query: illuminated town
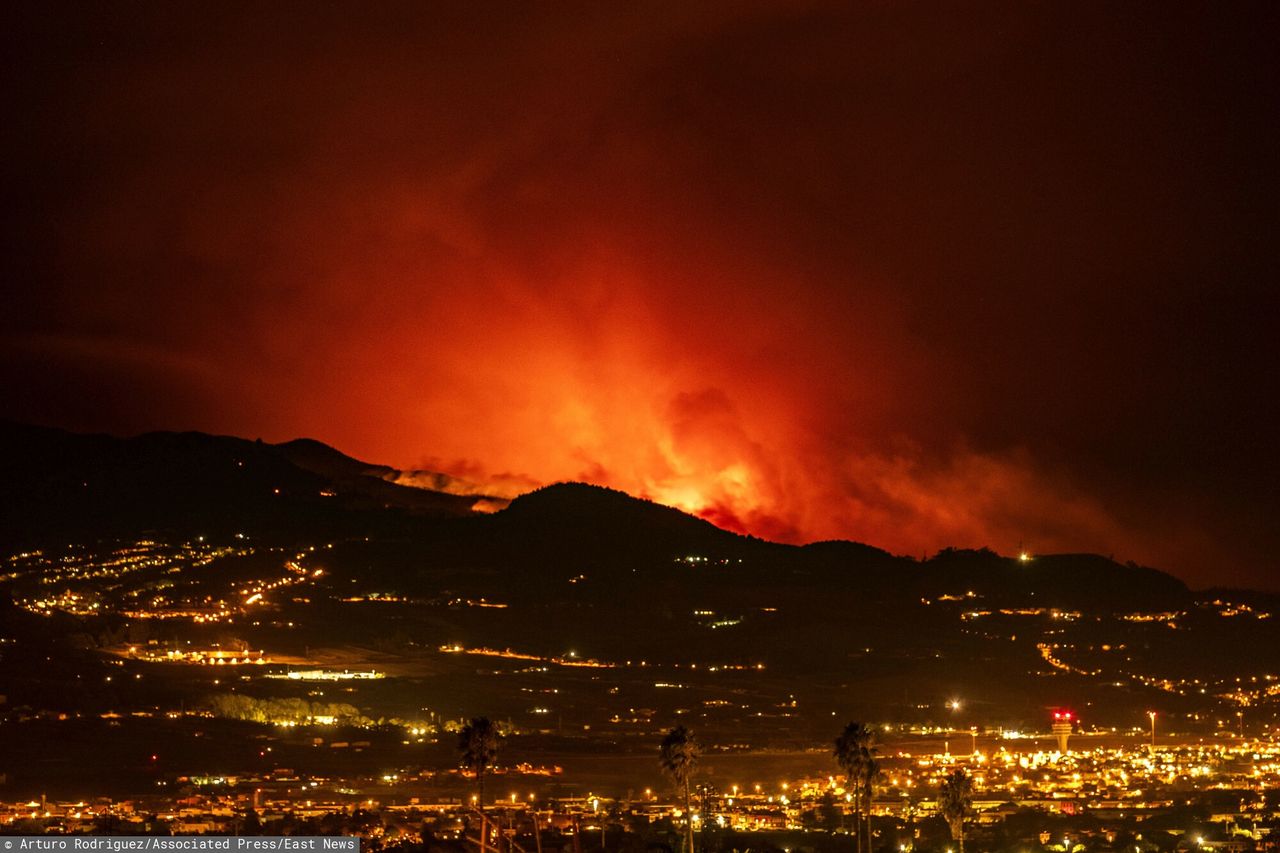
x=1217, y=795
x=318, y=738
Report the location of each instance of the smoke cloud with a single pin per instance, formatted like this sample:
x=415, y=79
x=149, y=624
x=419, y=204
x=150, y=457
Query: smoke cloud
x=918, y=278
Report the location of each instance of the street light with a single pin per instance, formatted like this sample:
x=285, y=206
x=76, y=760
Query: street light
x=1152, y=715
x=954, y=705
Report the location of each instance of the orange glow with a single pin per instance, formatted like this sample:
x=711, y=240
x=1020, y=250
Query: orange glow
x=758, y=415
x=639, y=388
x=897, y=292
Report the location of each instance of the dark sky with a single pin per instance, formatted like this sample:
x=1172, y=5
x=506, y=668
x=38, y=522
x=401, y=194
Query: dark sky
x=915, y=274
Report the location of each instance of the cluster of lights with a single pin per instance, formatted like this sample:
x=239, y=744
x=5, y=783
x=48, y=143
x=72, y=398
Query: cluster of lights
x=569, y=659
x=209, y=657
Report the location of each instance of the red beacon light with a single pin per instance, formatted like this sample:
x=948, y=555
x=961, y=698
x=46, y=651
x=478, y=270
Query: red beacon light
x=1062, y=728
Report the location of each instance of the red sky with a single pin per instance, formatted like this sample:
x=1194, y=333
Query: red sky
x=908, y=276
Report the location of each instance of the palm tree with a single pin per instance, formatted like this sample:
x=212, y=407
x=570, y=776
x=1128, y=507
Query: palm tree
x=955, y=800
x=870, y=778
x=678, y=756
x=478, y=747
x=856, y=757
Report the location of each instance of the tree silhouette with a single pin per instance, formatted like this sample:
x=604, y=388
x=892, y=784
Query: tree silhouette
x=478, y=747
x=955, y=801
x=857, y=758
x=870, y=778
x=678, y=756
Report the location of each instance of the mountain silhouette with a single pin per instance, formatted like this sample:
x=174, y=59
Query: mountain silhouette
x=59, y=486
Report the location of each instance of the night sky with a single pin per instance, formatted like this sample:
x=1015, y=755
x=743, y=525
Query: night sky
x=916, y=275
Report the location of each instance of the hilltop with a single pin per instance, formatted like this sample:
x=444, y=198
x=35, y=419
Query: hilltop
x=573, y=569
x=63, y=485
x=59, y=485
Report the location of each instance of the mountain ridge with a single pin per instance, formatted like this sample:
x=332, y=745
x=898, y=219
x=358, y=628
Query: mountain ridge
x=583, y=570
x=58, y=483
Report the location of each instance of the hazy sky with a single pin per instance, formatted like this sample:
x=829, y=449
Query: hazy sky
x=916, y=275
